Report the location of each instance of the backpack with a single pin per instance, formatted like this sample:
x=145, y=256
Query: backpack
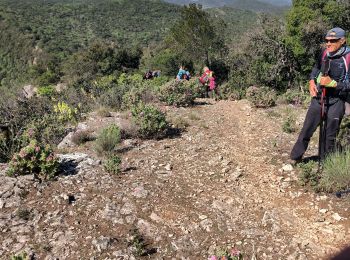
x=204, y=79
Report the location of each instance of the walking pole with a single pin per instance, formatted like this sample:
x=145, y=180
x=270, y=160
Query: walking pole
x=324, y=108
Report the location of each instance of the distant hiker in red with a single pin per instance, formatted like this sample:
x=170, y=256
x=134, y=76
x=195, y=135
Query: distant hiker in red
x=208, y=81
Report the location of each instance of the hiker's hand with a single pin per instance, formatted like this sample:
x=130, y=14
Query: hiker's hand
x=312, y=88
x=328, y=82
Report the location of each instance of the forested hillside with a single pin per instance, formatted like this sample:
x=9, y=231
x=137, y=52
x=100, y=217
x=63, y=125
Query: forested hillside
x=250, y=5
x=39, y=36
x=60, y=28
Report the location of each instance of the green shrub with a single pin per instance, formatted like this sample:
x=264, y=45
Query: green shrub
x=308, y=173
x=103, y=112
x=230, y=92
x=47, y=91
x=108, y=139
x=335, y=175
x=112, y=164
x=34, y=159
x=138, y=94
x=113, y=97
x=343, y=138
x=261, y=96
x=150, y=120
x=65, y=112
x=294, y=97
x=22, y=256
x=18, y=115
x=289, y=124
x=179, y=93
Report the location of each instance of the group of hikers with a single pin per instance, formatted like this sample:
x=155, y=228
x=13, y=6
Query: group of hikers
x=329, y=86
x=151, y=74
x=207, y=79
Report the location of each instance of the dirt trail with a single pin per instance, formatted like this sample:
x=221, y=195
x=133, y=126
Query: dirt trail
x=218, y=184
x=223, y=179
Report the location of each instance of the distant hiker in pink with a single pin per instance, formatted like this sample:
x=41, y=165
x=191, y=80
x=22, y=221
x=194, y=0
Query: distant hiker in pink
x=208, y=81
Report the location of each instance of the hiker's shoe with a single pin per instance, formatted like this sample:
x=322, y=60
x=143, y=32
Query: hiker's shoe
x=294, y=162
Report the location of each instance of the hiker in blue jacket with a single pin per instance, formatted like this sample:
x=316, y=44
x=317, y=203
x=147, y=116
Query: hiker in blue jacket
x=337, y=87
x=183, y=74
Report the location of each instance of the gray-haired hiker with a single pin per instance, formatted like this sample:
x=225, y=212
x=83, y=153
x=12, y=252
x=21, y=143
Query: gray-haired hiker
x=330, y=77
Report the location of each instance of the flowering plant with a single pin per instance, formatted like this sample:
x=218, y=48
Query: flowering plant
x=234, y=254
x=34, y=159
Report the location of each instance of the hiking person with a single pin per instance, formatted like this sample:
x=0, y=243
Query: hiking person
x=148, y=75
x=183, y=73
x=208, y=81
x=333, y=82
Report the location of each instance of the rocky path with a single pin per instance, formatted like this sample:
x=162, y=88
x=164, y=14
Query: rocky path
x=222, y=183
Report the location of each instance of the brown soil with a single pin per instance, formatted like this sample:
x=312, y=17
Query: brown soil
x=218, y=184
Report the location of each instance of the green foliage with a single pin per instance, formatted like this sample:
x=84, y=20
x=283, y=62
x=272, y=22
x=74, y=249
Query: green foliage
x=113, y=97
x=263, y=58
x=65, y=113
x=27, y=119
x=47, y=91
x=288, y=125
x=230, y=91
x=138, y=243
x=99, y=61
x=39, y=34
x=138, y=94
x=343, y=138
x=150, y=120
x=261, y=96
x=294, y=97
x=179, y=93
x=308, y=22
x=23, y=213
x=103, y=112
x=309, y=174
x=336, y=172
x=233, y=254
x=34, y=159
x=112, y=164
x=22, y=256
x=195, y=37
x=107, y=140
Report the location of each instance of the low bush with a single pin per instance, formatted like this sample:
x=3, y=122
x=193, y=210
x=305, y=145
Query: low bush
x=107, y=140
x=289, y=122
x=261, y=97
x=230, y=92
x=112, y=164
x=113, y=97
x=294, y=97
x=179, y=93
x=34, y=159
x=150, y=120
x=309, y=174
x=335, y=175
x=139, y=94
x=47, y=91
x=103, y=112
x=343, y=138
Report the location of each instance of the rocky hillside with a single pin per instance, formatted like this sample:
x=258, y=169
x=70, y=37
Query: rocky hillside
x=224, y=182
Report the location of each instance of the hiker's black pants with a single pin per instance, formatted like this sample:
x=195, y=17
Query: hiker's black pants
x=335, y=113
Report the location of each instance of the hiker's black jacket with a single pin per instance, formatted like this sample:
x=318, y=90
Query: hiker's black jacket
x=337, y=71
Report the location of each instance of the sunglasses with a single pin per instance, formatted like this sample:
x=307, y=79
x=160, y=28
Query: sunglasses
x=331, y=40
